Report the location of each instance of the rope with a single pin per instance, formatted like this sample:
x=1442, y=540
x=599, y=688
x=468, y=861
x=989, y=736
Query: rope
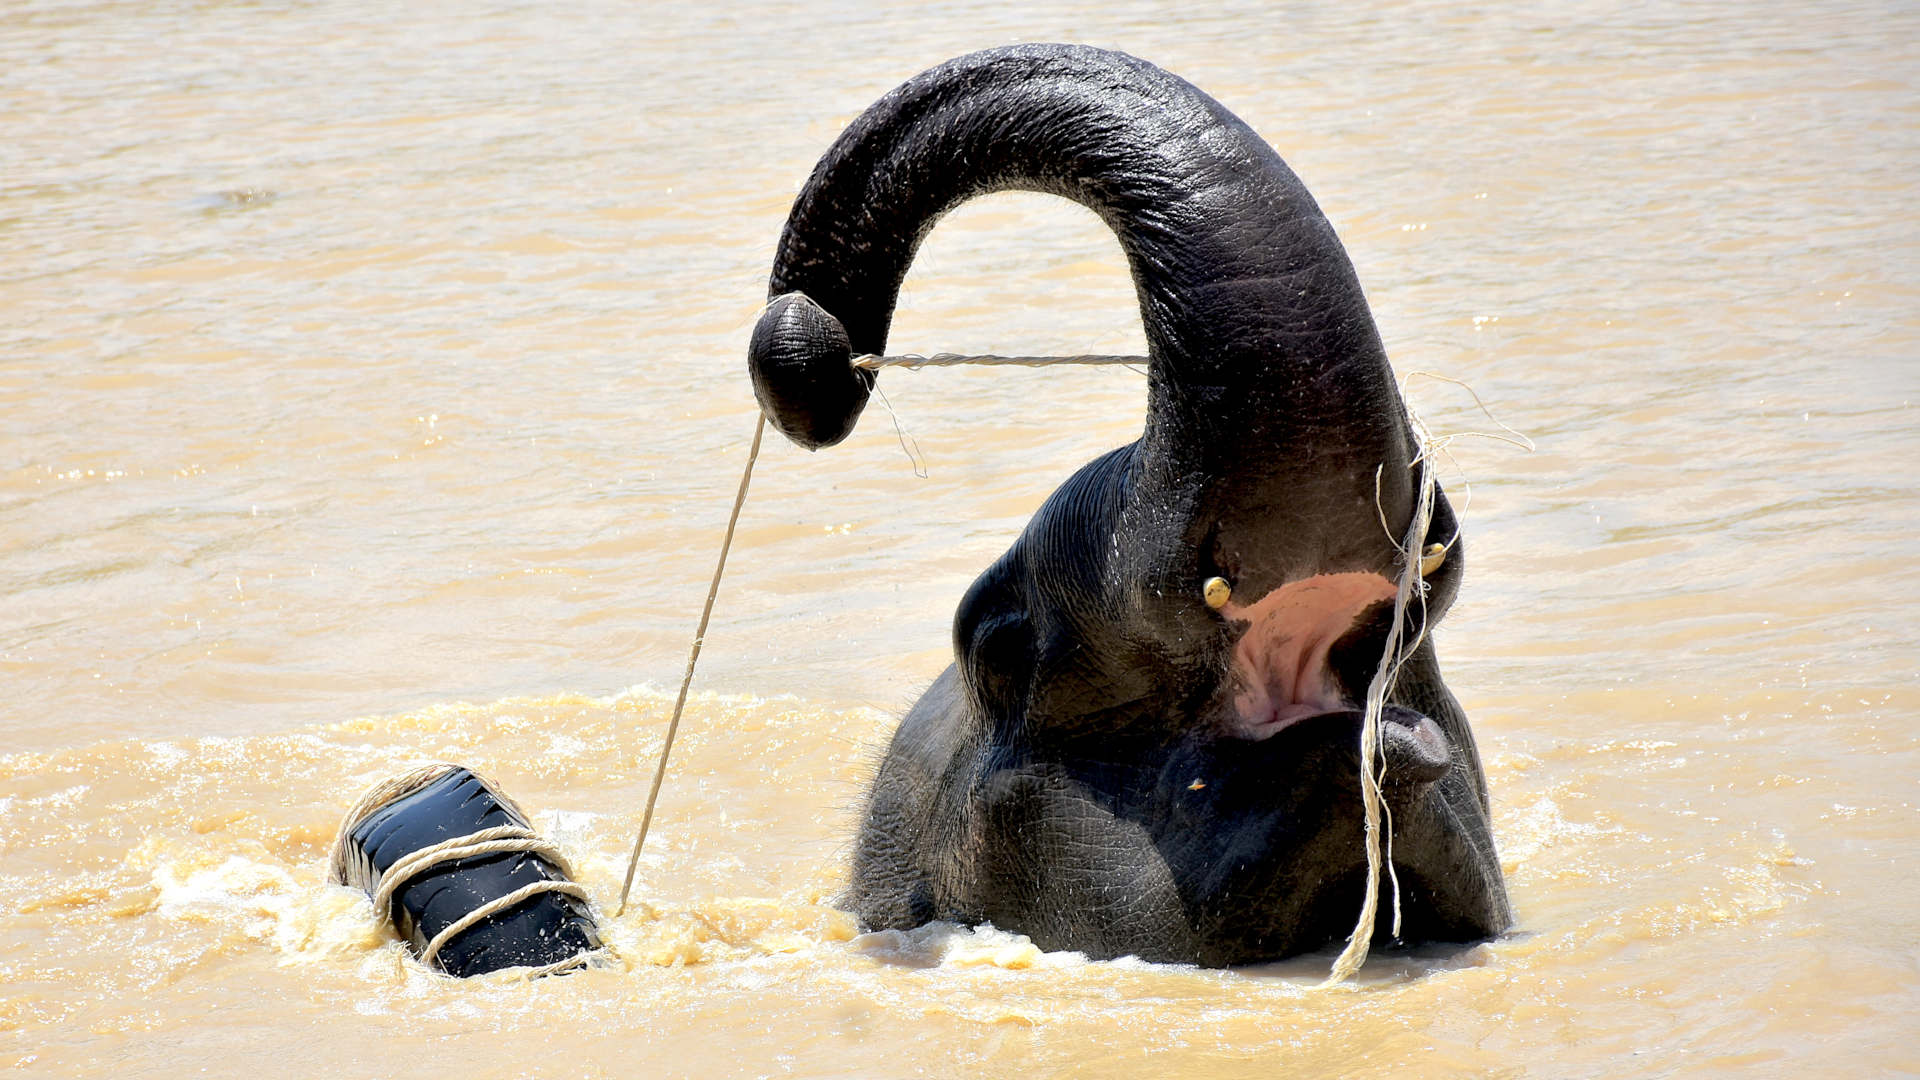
x=571, y=963
x=693, y=657
x=871, y=362
x=1392, y=656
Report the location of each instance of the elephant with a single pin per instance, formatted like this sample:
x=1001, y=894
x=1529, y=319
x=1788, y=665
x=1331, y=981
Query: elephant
x=1148, y=742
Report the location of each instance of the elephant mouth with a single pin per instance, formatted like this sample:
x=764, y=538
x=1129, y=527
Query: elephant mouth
x=1282, y=669
x=1414, y=753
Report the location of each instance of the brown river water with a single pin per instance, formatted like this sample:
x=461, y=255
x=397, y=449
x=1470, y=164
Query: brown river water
x=374, y=390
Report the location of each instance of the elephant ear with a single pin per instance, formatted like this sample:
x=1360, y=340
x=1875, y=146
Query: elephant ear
x=803, y=373
x=993, y=642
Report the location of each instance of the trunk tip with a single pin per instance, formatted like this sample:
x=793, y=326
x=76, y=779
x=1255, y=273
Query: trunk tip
x=803, y=375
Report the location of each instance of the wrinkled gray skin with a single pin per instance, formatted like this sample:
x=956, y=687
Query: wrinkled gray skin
x=1112, y=765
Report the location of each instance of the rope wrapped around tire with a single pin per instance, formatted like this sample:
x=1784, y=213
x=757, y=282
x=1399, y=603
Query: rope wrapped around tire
x=455, y=867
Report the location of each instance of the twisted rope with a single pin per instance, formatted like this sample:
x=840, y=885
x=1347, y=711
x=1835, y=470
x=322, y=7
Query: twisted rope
x=1372, y=770
x=693, y=657
x=870, y=362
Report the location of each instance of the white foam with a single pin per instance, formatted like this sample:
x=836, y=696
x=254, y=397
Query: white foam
x=943, y=944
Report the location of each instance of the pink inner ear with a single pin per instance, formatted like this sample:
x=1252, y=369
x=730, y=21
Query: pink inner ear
x=1280, y=664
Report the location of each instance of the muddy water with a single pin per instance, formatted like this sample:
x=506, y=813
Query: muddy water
x=373, y=390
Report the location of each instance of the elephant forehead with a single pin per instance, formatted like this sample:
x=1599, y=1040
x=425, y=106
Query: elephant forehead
x=1280, y=671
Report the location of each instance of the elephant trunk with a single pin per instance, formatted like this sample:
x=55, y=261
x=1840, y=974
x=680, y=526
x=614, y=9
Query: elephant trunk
x=1266, y=370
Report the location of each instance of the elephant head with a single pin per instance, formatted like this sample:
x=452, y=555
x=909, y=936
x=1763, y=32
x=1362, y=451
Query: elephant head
x=1129, y=756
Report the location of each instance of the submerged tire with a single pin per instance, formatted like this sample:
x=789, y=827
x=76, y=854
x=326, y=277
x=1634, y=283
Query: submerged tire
x=436, y=848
